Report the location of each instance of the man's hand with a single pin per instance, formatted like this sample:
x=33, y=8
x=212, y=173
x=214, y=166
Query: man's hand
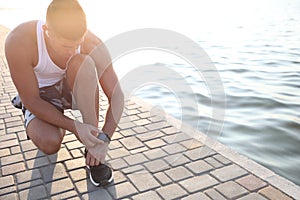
x=96, y=155
x=87, y=134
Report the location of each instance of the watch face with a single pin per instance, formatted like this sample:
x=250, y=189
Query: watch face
x=103, y=137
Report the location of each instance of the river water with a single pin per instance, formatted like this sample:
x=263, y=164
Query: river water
x=255, y=48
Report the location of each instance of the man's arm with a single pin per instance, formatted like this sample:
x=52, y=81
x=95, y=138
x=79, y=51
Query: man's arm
x=20, y=50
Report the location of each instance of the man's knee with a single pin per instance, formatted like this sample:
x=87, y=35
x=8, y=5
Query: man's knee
x=50, y=146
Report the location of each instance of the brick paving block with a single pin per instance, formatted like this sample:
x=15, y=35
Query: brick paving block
x=6, y=181
x=85, y=186
x=37, y=162
x=162, y=178
x=4, y=152
x=28, y=175
x=135, y=159
x=59, y=186
x=197, y=196
x=143, y=181
x=27, y=145
x=8, y=137
x=118, y=153
x=11, y=159
x=33, y=154
x=69, y=138
x=15, y=150
x=126, y=125
x=78, y=174
x=273, y=194
x=118, y=164
x=142, y=122
x=155, y=126
x=172, y=191
x=30, y=184
x=222, y=159
x=8, y=143
x=251, y=183
x=213, y=162
x=38, y=192
x=231, y=190
x=176, y=160
x=176, y=138
x=131, y=143
x=62, y=155
x=13, y=169
x=155, y=154
x=122, y=190
x=170, y=130
x=156, y=165
x=9, y=196
x=66, y=195
x=98, y=194
x=198, y=183
x=200, y=153
x=53, y=172
x=74, y=145
x=229, y=172
x=150, y=195
x=199, y=167
x=15, y=129
x=75, y=163
x=140, y=129
x=7, y=190
x=173, y=148
x=155, y=143
x=150, y=135
x=14, y=124
x=22, y=136
x=139, y=150
x=116, y=136
x=133, y=169
x=76, y=153
x=191, y=144
x=119, y=177
x=213, y=194
x=179, y=173
x=128, y=132
x=253, y=196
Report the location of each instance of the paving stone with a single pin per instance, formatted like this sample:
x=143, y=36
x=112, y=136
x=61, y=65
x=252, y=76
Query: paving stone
x=27, y=145
x=75, y=153
x=176, y=138
x=173, y=148
x=28, y=175
x=59, y=186
x=37, y=162
x=74, y=145
x=253, y=196
x=157, y=165
x=155, y=143
x=150, y=195
x=143, y=181
x=213, y=162
x=273, y=194
x=172, y=191
x=119, y=177
x=15, y=150
x=118, y=153
x=128, y=132
x=75, y=163
x=162, y=178
x=199, y=153
x=176, y=160
x=30, y=184
x=122, y=190
x=155, y=126
x=4, y=152
x=150, y=135
x=6, y=181
x=131, y=143
x=33, y=154
x=11, y=159
x=140, y=129
x=135, y=159
x=62, y=155
x=170, y=130
x=118, y=164
x=142, y=122
x=66, y=195
x=133, y=169
x=178, y=173
x=198, y=183
x=139, y=150
x=251, y=183
x=98, y=194
x=13, y=169
x=213, y=194
x=197, y=196
x=38, y=192
x=7, y=137
x=6, y=190
x=231, y=190
x=199, y=167
x=78, y=174
x=53, y=172
x=8, y=143
x=155, y=153
x=229, y=172
x=9, y=196
x=222, y=159
x=85, y=186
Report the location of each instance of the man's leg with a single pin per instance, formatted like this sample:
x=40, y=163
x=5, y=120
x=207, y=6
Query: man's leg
x=45, y=136
x=83, y=81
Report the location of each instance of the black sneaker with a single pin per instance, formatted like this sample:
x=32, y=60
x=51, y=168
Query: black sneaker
x=100, y=175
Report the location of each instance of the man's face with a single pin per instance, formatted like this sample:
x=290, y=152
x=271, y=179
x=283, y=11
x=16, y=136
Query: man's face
x=64, y=47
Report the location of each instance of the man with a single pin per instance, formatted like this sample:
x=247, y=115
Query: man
x=57, y=65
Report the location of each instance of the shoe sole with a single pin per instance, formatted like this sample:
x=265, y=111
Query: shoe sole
x=98, y=184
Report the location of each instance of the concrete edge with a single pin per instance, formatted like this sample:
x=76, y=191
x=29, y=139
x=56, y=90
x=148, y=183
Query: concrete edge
x=279, y=182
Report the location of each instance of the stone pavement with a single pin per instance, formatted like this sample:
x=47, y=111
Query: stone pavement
x=153, y=157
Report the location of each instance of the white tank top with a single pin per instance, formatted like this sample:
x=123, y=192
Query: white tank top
x=46, y=71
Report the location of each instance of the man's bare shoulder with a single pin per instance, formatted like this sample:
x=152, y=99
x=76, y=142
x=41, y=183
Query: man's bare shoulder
x=91, y=41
